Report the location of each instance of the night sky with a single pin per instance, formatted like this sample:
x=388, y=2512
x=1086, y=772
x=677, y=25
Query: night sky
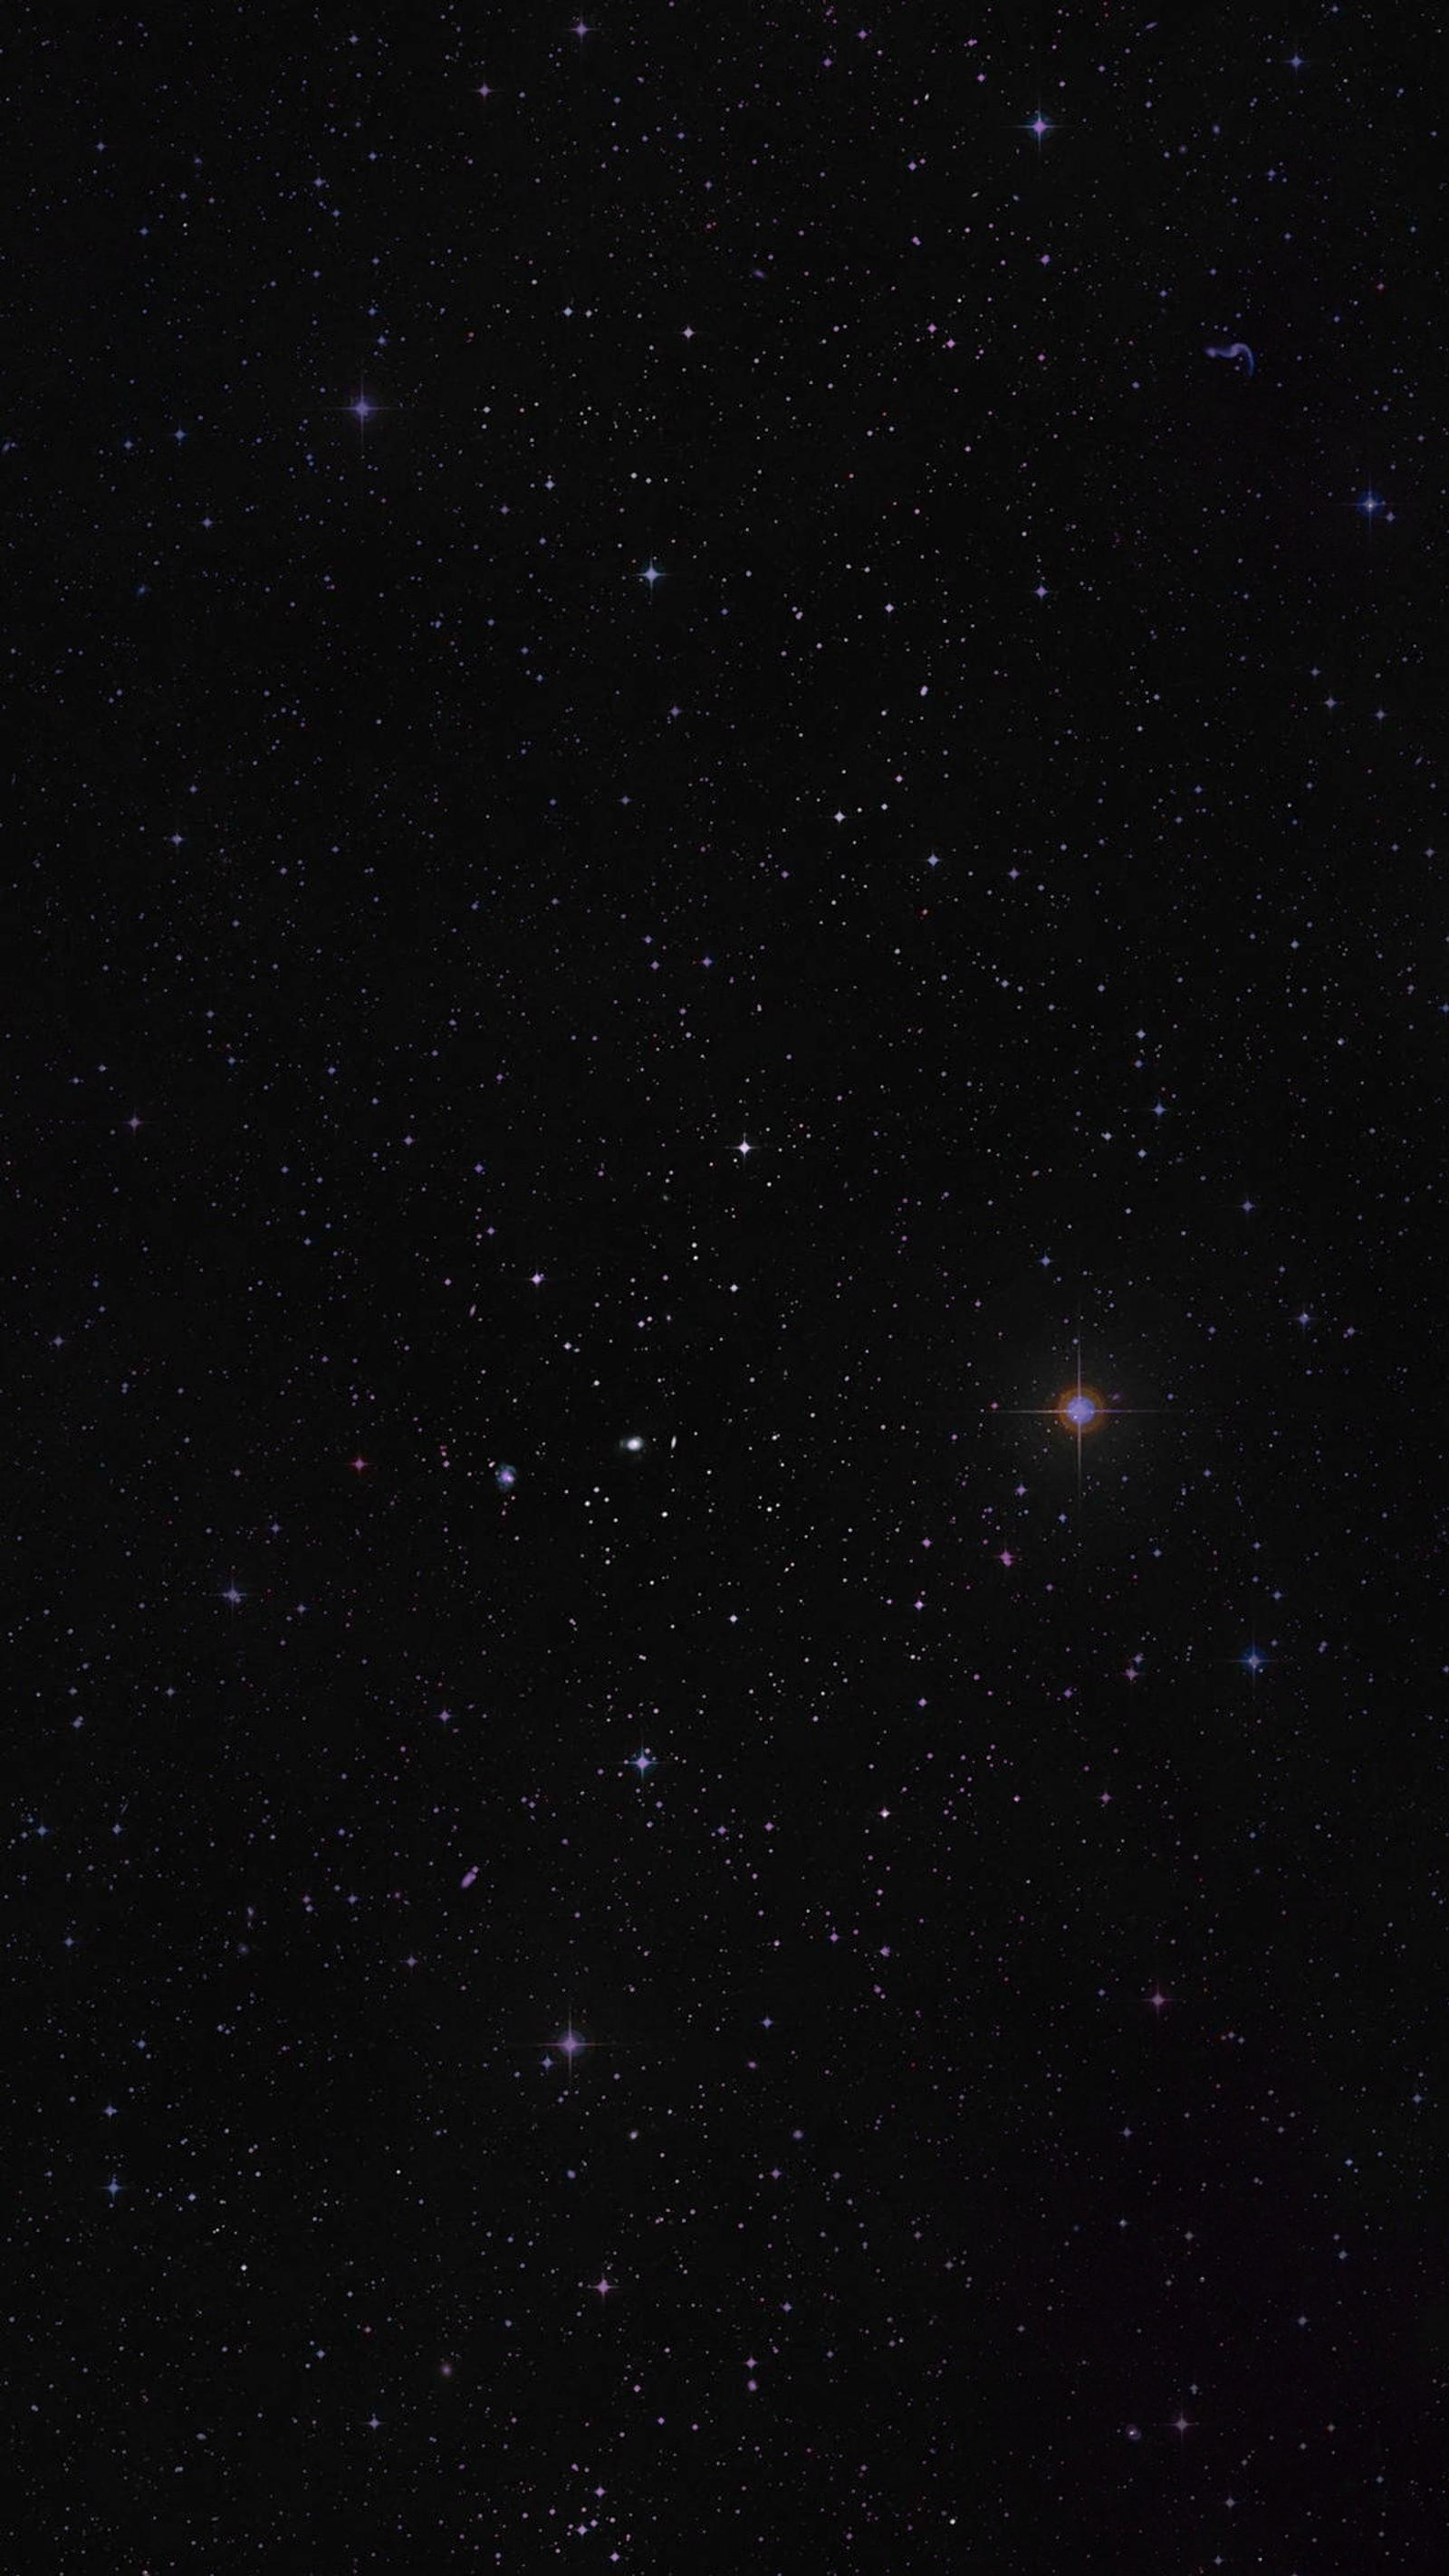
x=724, y=1146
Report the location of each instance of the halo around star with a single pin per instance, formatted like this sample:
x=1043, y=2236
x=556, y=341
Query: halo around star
x=1080, y=1409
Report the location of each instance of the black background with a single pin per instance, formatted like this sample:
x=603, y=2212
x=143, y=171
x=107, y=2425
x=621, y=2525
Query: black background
x=977, y=914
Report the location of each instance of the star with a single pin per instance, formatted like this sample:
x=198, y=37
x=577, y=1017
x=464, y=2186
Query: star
x=1040, y=127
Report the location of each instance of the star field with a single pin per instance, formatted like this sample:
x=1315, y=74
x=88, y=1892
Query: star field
x=726, y=1069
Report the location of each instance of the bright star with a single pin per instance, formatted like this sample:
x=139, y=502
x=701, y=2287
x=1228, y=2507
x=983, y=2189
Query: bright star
x=1080, y=1409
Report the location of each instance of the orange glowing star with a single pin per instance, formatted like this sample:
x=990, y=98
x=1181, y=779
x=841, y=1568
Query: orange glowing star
x=1080, y=1409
